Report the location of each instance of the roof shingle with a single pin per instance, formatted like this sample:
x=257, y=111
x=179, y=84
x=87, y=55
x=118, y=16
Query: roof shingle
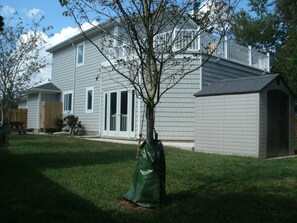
x=47, y=87
x=237, y=85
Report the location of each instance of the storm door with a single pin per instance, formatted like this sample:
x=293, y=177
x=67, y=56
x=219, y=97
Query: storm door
x=277, y=123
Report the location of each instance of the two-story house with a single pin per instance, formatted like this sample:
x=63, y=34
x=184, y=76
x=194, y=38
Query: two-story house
x=109, y=107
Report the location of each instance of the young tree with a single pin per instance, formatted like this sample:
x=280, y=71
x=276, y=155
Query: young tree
x=20, y=60
x=153, y=35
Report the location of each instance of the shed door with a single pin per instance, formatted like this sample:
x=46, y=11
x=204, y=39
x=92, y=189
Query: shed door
x=277, y=123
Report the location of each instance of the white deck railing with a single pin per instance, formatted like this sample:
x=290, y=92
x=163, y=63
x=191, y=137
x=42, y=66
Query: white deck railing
x=205, y=43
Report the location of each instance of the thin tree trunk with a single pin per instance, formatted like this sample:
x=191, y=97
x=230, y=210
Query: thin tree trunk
x=8, y=128
x=150, y=120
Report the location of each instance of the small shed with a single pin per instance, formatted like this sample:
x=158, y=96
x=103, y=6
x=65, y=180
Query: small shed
x=251, y=116
x=44, y=93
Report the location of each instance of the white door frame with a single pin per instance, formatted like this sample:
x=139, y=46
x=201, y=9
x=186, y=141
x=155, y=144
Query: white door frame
x=129, y=132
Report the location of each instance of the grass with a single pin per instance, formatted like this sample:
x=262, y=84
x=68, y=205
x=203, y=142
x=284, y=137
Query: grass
x=66, y=179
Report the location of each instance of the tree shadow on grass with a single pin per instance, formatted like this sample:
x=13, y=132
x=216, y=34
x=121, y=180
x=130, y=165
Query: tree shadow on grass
x=231, y=207
x=28, y=196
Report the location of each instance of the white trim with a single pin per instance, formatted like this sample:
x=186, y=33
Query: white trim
x=106, y=114
x=83, y=54
x=86, y=104
x=201, y=74
x=38, y=111
x=67, y=112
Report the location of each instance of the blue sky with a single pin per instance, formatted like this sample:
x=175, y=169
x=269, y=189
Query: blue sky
x=51, y=9
x=63, y=27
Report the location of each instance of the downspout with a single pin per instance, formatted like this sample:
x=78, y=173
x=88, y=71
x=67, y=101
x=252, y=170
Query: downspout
x=101, y=103
x=74, y=75
x=200, y=61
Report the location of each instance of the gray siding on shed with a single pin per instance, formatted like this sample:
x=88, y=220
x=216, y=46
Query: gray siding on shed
x=32, y=118
x=228, y=124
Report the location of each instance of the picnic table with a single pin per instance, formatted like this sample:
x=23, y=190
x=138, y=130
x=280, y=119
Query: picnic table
x=16, y=126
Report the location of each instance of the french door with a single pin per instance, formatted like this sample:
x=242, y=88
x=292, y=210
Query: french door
x=119, y=113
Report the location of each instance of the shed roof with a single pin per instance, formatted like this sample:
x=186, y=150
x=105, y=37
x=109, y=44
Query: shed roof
x=237, y=85
x=48, y=87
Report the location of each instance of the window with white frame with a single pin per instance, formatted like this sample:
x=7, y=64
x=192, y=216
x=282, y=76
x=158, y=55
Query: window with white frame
x=80, y=51
x=89, y=99
x=67, y=102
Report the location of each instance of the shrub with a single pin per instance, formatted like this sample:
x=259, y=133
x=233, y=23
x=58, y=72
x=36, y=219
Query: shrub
x=59, y=123
x=76, y=128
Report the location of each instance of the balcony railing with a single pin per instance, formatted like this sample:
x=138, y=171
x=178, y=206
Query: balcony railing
x=177, y=40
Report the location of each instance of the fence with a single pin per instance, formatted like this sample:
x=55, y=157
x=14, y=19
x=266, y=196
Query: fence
x=49, y=111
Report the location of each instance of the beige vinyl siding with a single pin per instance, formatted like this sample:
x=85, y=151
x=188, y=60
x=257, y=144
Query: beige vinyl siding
x=69, y=77
x=228, y=124
x=85, y=77
x=175, y=115
x=63, y=68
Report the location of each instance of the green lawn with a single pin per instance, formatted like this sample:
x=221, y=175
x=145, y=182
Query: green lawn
x=66, y=179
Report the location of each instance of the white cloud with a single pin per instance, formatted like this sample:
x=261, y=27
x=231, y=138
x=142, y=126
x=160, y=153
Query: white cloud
x=31, y=13
x=68, y=32
x=7, y=10
x=63, y=35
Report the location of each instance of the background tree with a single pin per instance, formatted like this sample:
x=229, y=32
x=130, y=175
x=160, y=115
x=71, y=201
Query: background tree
x=286, y=54
x=20, y=60
x=151, y=33
x=270, y=26
x=260, y=27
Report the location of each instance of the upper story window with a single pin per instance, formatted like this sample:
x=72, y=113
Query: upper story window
x=89, y=99
x=80, y=54
x=67, y=102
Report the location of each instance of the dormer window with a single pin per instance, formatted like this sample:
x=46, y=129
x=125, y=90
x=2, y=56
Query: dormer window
x=80, y=51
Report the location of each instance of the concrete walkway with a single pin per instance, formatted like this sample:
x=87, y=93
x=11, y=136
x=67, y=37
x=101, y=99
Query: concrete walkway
x=181, y=145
